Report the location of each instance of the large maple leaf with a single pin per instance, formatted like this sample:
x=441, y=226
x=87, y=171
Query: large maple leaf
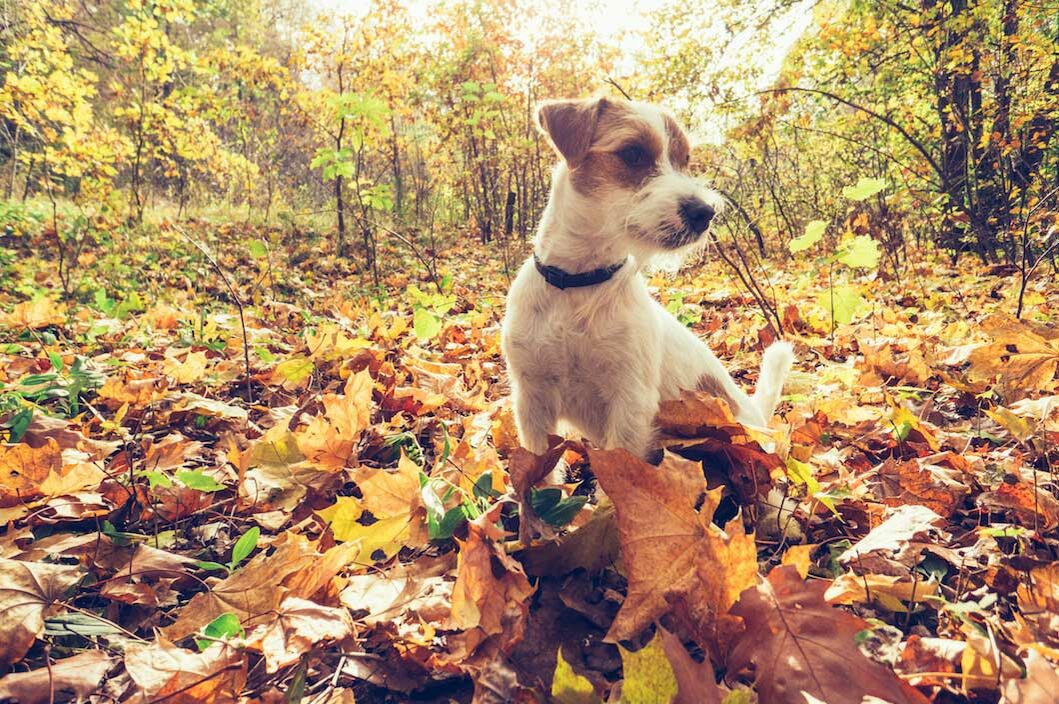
x=797, y=644
x=671, y=550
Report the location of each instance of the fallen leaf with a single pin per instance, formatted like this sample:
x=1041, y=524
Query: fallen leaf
x=490, y=585
x=1039, y=686
x=568, y=687
x=1034, y=507
x=163, y=671
x=72, y=678
x=893, y=547
x=670, y=548
x=252, y=591
x=647, y=675
x=795, y=644
x=188, y=370
x=295, y=628
x=27, y=591
x=329, y=440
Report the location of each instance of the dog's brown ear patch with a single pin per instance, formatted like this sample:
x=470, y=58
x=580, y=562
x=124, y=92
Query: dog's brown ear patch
x=570, y=125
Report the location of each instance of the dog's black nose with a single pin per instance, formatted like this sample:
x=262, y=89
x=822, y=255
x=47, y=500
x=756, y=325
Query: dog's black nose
x=696, y=215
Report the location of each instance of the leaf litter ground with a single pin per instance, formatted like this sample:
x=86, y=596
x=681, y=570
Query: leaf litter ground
x=356, y=522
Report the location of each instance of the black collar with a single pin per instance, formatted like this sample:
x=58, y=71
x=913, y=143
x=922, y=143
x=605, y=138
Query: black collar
x=563, y=280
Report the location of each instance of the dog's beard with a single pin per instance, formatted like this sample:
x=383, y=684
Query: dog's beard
x=671, y=237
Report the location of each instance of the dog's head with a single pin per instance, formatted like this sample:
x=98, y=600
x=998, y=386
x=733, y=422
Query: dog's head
x=628, y=161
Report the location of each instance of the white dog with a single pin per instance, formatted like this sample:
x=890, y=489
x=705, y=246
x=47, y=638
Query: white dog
x=585, y=343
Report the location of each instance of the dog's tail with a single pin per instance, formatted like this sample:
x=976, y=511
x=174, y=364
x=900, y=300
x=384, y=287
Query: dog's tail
x=775, y=365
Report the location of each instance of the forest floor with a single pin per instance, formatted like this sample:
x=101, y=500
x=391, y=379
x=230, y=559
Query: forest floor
x=338, y=509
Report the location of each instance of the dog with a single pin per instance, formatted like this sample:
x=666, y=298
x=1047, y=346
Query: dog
x=586, y=345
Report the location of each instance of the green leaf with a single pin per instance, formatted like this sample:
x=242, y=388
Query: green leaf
x=244, y=546
x=156, y=479
x=427, y=325
x=865, y=188
x=862, y=253
x=196, y=479
x=210, y=566
x=18, y=424
x=295, y=370
x=552, y=508
x=814, y=232
x=258, y=250
x=224, y=626
x=483, y=487
x=847, y=302
x=56, y=360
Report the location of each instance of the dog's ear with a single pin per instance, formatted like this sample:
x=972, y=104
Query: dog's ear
x=570, y=125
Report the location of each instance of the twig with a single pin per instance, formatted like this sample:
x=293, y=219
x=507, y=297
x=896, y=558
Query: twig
x=620, y=89
x=238, y=305
x=415, y=250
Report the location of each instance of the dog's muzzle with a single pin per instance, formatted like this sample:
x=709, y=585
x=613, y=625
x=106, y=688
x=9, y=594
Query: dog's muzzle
x=696, y=215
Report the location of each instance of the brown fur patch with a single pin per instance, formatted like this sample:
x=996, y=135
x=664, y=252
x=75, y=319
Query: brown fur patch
x=570, y=125
x=679, y=148
x=617, y=128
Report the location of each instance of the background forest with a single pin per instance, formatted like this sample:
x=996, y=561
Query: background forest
x=257, y=444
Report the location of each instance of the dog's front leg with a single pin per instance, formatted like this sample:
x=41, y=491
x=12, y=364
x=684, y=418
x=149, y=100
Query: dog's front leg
x=536, y=407
x=630, y=424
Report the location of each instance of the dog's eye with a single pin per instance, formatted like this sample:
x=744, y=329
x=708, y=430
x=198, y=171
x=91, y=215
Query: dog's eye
x=633, y=155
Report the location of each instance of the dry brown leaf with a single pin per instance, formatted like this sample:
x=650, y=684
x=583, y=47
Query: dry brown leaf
x=27, y=591
x=796, y=644
x=164, y=672
x=696, y=681
x=295, y=628
x=1021, y=360
x=1039, y=686
x=694, y=414
x=916, y=482
x=251, y=591
x=329, y=441
x=1034, y=507
x=23, y=468
x=34, y=314
x=74, y=677
x=671, y=550
x=491, y=587
x=893, y=547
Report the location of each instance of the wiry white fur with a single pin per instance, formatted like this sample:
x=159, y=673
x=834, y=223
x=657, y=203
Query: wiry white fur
x=601, y=358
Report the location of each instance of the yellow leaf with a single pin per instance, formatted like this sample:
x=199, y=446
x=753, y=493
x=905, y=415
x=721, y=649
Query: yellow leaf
x=568, y=687
x=192, y=369
x=649, y=677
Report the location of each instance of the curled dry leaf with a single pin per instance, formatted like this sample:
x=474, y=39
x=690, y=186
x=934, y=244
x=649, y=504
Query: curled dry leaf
x=330, y=440
x=164, y=672
x=1033, y=506
x=27, y=591
x=1039, y=686
x=795, y=644
x=250, y=592
x=491, y=587
x=295, y=628
x=894, y=546
x=74, y=677
x=671, y=550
